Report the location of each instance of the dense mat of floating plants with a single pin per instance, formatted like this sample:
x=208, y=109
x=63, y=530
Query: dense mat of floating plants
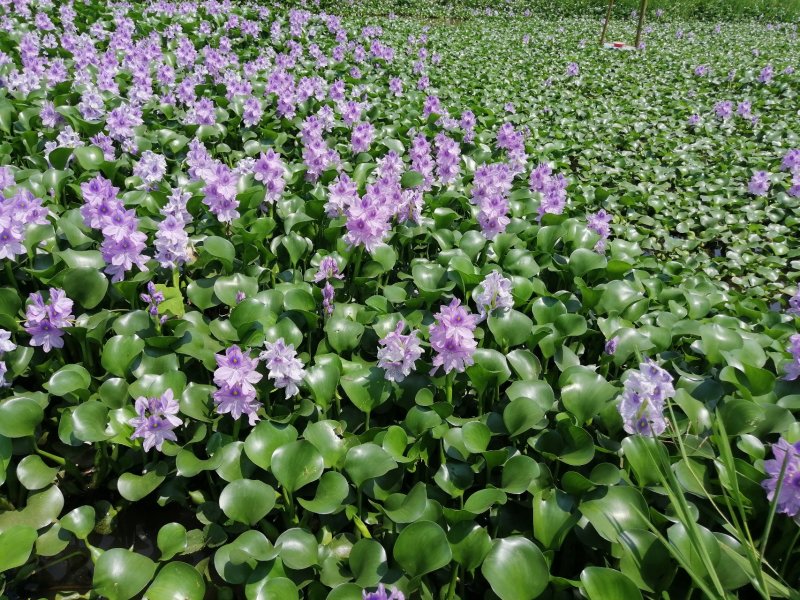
x=299, y=305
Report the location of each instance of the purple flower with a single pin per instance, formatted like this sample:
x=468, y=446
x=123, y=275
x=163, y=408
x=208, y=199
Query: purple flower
x=6, y=345
x=493, y=292
x=794, y=304
x=759, y=184
x=490, y=188
x=396, y=86
x=342, y=192
x=766, y=75
x=745, y=109
x=45, y=321
x=643, y=397
x=237, y=400
x=220, y=192
x=724, y=109
x=368, y=218
x=398, y=353
x=151, y=168
x=599, y=224
x=285, y=369
x=380, y=594
x=421, y=160
x=553, y=189
x=235, y=368
x=573, y=70
x=791, y=160
x=452, y=337
x=701, y=70
x=611, y=345
x=328, y=294
x=155, y=420
x=784, y=470
x=153, y=298
x=362, y=137
x=448, y=156
x=792, y=368
x=328, y=269
x=271, y=171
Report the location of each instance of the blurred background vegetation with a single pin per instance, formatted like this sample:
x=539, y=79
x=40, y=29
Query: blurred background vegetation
x=772, y=10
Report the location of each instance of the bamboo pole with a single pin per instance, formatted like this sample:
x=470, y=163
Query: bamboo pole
x=642, y=10
x=605, y=24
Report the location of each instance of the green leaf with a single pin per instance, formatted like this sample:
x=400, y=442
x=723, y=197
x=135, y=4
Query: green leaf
x=509, y=327
x=68, y=379
x=85, y=285
x=171, y=540
x=247, y=500
x=119, y=353
x=220, y=248
x=298, y=548
x=16, y=543
x=611, y=511
x=177, y=581
x=584, y=392
x=33, y=474
x=120, y=574
x=516, y=569
x=368, y=562
x=366, y=389
x=425, y=535
x=297, y=464
x=331, y=493
x=79, y=521
x=19, y=417
x=607, y=584
x=89, y=421
x=367, y=461
x=470, y=543
x=135, y=487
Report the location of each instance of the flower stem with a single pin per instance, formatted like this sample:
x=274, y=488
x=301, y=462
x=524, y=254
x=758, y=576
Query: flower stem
x=451, y=590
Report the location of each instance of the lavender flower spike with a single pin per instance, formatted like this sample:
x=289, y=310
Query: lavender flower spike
x=493, y=292
x=786, y=462
x=399, y=353
x=642, y=403
x=380, y=594
x=792, y=368
x=45, y=322
x=155, y=420
x=285, y=369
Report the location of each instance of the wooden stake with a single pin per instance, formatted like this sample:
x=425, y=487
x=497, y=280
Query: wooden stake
x=642, y=10
x=605, y=25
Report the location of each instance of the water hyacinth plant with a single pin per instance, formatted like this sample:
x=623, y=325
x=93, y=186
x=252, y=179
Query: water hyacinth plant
x=387, y=300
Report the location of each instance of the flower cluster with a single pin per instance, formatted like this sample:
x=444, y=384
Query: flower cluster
x=153, y=298
x=236, y=377
x=448, y=156
x=123, y=243
x=150, y=168
x=155, y=420
x=285, y=369
x=172, y=241
x=599, y=223
x=399, y=353
x=783, y=471
x=642, y=403
x=382, y=594
x=270, y=170
x=6, y=345
x=759, y=184
x=490, y=188
x=328, y=269
x=220, y=189
x=452, y=337
x=45, y=321
x=493, y=292
x=791, y=163
x=794, y=304
x=16, y=214
x=792, y=368
x=553, y=189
